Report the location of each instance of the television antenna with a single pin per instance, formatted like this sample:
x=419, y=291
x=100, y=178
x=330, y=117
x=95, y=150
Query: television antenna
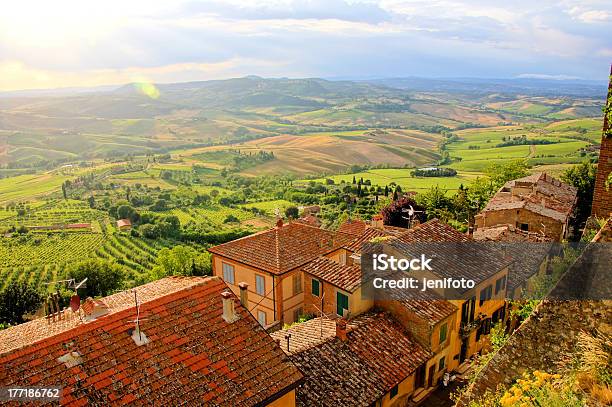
x=411, y=214
x=138, y=319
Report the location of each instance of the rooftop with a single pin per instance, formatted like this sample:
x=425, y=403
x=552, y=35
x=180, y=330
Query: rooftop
x=366, y=236
x=353, y=226
x=539, y=193
x=282, y=248
x=432, y=231
x=192, y=355
x=377, y=355
x=342, y=276
x=507, y=233
x=305, y=335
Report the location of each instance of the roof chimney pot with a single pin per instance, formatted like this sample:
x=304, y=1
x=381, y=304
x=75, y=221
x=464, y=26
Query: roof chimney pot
x=244, y=294
x=279, y=223
x=341, y=329
x=229, y=312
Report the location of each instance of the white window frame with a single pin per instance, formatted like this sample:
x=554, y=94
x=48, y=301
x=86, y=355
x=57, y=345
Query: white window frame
x=227, y=269
x=262, y=316
x=260, y=285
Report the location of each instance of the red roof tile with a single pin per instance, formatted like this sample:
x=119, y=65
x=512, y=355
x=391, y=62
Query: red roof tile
x=377, y=355
x=282, y=248
x=342, y=276
x=366, y=236
x=432, y=231
x=353, y=227
x=123, y=222
x=192, y=354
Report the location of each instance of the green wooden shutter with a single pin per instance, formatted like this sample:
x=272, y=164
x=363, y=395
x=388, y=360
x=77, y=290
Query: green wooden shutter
x=342, y=303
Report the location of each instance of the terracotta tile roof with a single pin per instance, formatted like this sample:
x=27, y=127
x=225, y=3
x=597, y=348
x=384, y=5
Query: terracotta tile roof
x=427, y=305
x=342, y=276
x=123, y=222
x=527, y=258
x=193, y=355
x=357, y=227
x=353, y=227
x=547, y=196
x=283, y=248
x=306, y=335
x=377, y=355
x=471, y=260
x=507, y=233
x=366, y=236
x=39, y=329
x=433, y=231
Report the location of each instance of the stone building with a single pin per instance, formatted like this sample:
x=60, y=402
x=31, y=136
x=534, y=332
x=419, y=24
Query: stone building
x=536, y=203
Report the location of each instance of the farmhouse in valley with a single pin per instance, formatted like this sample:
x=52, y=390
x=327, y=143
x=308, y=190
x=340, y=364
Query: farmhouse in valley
x=124, y=224
x=536, y=203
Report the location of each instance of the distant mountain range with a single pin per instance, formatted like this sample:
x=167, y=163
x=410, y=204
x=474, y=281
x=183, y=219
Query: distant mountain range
x=239, y=88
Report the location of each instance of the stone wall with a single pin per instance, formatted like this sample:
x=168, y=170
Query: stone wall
x=551, y=332
x=602, y=198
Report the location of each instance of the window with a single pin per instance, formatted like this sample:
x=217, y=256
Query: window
x=261, y=317
x=500, y=284
x=228, y=273
x=499, y=315
x=316, y=288
x=343, y=258
x=394, y=391
x=443, y=332
x=297, y=283
x=297, y=314
x=442, y=364
x=260, y=284
x=485, y=294
x=524, y=226
x=342, y=303
x=484, y=328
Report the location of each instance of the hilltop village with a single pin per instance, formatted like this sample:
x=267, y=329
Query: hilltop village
x=285, y=318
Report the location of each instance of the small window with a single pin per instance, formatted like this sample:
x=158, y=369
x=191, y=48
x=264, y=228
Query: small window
x=343, y=258
x=500, y=284
x=260, y=285
x=485, y=294
x=394, y=391
x=228, y=273
x=524, y=226
x=316, y=288
x=443, y=332
x=261, y=317
x=297, y=283
x=499, y=315
x=442, y=364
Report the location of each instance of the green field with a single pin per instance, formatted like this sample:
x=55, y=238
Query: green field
x=478, y=148
x=402, y=177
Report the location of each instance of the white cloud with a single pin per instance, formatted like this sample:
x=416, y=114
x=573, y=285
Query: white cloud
x=49, y=44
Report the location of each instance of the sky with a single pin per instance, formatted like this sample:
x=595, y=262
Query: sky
x=76, y=43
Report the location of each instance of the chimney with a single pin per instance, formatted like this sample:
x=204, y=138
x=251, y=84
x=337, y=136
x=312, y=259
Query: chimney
x=341, y=329
x=279, y=223
x=229, y=313
x=244, y=294
x=377, y=222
